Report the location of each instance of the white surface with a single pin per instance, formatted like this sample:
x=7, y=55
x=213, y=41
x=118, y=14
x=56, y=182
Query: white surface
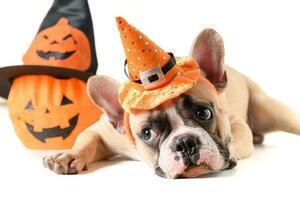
x=273, y=171
x=261, y=39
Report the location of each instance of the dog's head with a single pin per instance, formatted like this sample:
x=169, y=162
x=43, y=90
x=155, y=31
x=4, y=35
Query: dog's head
x=187, y=136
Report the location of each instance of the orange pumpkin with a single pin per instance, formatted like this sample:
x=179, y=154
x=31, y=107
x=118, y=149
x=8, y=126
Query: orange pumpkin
x=60, y=45
x=49, y=113
x=47, y=99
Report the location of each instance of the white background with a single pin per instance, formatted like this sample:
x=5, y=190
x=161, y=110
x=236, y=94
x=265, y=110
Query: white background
x=262, y=40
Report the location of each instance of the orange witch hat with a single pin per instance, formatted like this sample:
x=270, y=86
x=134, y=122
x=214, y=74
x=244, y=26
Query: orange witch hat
x=154, y=75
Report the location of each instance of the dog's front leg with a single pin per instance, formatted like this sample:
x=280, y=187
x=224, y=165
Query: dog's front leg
x=88, y=148
x=242, y=138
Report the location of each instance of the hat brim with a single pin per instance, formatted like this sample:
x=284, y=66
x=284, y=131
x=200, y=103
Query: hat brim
x=133, y=96
x=7, y=74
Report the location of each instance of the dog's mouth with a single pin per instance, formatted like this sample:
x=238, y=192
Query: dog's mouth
x=197, y=170
x=202, y=165
x=55, y=55
x=206, y=160
x=53, y=132
x=190, y=171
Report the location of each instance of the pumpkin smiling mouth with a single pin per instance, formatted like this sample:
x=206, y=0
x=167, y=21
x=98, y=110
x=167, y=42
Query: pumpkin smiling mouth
x=53, y=132
x=55, y=55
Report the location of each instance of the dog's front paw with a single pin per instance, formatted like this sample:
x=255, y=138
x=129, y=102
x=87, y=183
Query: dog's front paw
x=65, y=163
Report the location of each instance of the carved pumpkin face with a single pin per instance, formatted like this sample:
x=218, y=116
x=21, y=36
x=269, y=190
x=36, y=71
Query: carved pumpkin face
x=49, y=113
x=61, y=46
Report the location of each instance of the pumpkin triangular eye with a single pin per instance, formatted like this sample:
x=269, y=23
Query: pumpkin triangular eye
x=29, y=106
x=68, y=37
x=65, y=101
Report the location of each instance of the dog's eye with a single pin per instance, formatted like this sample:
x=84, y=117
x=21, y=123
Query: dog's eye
x=204, y=113
x=147, y=134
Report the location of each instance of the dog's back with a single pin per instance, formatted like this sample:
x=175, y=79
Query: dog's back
x=245, y=99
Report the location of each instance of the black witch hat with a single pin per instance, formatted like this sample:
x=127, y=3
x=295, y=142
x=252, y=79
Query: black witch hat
x=78, y=16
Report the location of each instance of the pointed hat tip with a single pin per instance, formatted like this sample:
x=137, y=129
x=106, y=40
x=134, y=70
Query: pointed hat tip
x=120, y=21
x=119, y=18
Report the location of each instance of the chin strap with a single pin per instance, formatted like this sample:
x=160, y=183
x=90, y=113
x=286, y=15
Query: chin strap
x=127, y=127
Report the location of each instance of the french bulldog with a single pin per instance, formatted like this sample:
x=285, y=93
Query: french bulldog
x=197, y=133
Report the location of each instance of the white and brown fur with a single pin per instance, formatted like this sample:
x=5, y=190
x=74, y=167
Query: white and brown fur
x=243, y=114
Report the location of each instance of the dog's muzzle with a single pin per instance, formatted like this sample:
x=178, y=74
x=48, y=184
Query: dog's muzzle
x=188, y=146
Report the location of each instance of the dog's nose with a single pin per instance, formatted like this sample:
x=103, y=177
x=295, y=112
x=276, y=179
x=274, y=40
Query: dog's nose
x=188, y=146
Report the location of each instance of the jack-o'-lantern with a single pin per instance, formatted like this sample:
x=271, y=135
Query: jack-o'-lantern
x=48, y=113
x=47, y=99
x=62, y=46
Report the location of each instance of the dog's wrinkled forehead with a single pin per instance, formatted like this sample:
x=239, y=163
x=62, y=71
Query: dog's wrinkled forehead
x=181, y=112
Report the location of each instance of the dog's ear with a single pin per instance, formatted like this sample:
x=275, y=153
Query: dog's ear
x=208, y=51
x=103, y=91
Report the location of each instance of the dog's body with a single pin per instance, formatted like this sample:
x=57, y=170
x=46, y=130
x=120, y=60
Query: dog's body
x=243, y=114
